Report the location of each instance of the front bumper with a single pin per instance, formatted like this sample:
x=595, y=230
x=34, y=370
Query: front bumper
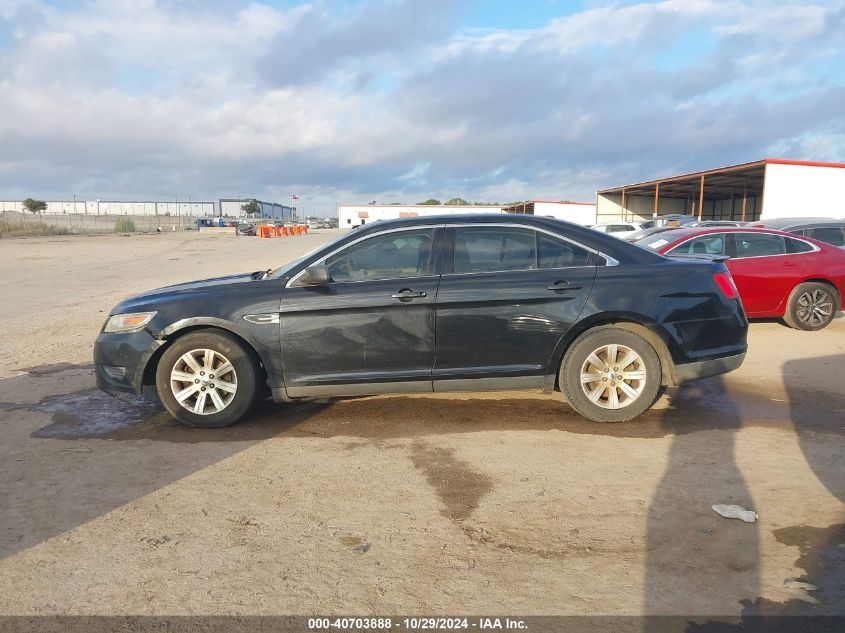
x=704, y=368
x=120, y=360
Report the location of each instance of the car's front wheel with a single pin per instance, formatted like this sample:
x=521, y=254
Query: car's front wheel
x=207, y=379
x=811, y=306
x=610, y=375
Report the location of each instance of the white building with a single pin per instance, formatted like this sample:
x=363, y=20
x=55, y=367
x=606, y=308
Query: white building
x=761, y=190
x=578, y=212
x=350, y=215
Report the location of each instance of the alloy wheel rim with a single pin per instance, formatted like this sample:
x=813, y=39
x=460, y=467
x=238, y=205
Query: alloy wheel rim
x=613, y=376
x=815, y=307
x=203, y=381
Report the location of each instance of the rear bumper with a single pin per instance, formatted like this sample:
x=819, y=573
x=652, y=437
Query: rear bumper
x=704, y=368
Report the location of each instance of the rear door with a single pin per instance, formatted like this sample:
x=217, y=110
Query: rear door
x=763, y=270
x=509, y=295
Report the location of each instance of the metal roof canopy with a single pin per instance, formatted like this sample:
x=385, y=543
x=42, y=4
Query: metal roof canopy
x=527, y=207
x=742, y=181
x=719, y=184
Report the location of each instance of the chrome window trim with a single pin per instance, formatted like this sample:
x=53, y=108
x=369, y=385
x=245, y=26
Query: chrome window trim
x=609, y=261
x=793, y=236
x=416, y=227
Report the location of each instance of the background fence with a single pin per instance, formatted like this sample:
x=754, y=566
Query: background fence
x=13, y=223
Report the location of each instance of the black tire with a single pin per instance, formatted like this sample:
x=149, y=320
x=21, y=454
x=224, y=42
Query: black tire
x=596, y=340
x=245, y=374
x=800, y=313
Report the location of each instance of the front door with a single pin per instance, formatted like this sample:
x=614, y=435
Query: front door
x=371, y=328
x=508, y=297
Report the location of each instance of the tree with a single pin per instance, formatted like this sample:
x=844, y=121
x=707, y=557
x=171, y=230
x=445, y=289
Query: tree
x=430, y=201
x=457, y=201
x=251, y=208
x=34, y=206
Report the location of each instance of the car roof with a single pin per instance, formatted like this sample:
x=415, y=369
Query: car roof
x=781, y=223
x=602, y=242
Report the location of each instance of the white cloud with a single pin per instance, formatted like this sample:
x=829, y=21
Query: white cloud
x=393, y=101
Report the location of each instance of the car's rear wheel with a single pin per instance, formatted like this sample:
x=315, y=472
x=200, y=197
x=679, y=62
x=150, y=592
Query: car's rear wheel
x=207, y=379
x=610, y=375
x=811, y=306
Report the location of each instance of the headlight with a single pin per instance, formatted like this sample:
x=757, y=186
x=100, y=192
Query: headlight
x=128, y=322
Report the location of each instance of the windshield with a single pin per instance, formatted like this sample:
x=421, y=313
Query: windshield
x=282, y=270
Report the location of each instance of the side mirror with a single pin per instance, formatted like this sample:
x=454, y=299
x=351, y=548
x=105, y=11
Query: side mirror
x=317, y=275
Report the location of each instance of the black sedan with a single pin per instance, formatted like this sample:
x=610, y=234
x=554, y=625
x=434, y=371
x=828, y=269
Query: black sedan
x=431, y=304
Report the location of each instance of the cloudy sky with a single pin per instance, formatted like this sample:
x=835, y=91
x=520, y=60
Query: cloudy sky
x=400, y=100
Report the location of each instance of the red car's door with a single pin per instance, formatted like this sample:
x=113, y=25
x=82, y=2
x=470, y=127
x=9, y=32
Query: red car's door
x=764, y=272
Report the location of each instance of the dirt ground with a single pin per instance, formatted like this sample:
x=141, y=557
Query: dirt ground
x=466, y=503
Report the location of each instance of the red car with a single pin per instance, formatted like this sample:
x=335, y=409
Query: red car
x=777, y=274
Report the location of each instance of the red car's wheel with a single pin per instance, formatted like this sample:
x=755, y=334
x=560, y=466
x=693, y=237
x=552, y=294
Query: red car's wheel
x=811, y=306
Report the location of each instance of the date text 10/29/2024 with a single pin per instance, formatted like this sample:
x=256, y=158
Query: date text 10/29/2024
x=416, y=624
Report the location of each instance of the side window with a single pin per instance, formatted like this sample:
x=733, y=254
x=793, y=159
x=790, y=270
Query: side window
x=758, y=245
x=831, y=235
x=389, y=256
x=797, y=246
x=705, y=245
x=488, y=249
x=618, y=228
x=554, y=253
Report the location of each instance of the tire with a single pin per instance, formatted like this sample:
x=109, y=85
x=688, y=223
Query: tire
x=811, y=306
x=641, y=375
x=197, y=396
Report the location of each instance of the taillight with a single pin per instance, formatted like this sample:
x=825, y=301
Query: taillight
x=726, y=285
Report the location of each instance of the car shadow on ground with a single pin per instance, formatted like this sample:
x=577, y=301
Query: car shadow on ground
x=685, y=537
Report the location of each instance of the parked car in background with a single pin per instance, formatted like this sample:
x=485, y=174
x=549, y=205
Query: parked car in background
x=671, y=219
x=246, y=229
x=518, y=302
x=618, y=229
x=778, y=274
x=825, y=230
x=636, y=236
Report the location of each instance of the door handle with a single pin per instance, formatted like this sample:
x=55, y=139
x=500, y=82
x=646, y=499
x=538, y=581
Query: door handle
x=789, y=263
x=406, y=294
x=562, y=285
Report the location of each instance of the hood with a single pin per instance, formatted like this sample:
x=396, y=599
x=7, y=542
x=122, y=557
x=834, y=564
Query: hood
x=190, y=289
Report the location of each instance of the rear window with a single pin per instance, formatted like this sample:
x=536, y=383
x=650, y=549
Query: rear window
x=829, y=234
x=658, y=240
x=797, y=246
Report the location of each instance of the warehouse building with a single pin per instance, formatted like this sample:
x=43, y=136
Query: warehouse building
x=226, y=207
x=760, y=190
